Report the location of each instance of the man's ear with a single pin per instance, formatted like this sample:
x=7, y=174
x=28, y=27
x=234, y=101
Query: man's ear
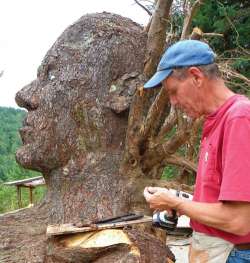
x=197, y=76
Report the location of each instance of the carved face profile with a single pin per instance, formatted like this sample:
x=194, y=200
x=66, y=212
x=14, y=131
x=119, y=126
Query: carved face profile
x=68, y=114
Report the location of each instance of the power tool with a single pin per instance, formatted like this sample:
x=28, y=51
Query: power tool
x=164, y=220
x=169, y=221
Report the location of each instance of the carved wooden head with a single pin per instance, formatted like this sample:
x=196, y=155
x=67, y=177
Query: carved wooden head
x=72, y=105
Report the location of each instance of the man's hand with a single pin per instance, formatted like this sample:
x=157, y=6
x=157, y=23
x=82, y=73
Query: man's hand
x=161, y=199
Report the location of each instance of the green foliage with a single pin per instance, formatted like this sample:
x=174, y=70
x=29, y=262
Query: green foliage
x=230, y=18
x=242, y=65
x=169, y=172
x=10, y=122
x=8, y=197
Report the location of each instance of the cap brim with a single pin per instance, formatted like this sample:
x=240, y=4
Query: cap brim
x=157, y=78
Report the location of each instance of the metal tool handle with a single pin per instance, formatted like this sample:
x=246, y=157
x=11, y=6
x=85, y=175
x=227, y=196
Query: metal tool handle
x=127, y=217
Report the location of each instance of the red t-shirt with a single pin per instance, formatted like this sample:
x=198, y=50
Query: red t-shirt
x=224, y=163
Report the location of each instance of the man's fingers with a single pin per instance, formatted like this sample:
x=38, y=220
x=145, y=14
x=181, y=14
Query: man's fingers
x=150, y=189
x=146, y=194
x=153, y=190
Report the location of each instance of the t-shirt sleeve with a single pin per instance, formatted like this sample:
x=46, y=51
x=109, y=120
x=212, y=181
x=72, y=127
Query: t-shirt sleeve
x=235, y=184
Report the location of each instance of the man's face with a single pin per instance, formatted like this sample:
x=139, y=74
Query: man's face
x=185, y=94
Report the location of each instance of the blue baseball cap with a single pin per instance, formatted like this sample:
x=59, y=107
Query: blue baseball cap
x=184, y=53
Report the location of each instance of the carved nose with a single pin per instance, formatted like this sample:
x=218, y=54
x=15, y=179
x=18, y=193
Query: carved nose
x=27, y=98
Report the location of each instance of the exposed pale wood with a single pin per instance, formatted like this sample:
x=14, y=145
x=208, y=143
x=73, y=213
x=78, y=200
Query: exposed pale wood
x=196, y=34
x=102, y=238
x=124, y=247
x=62, y=229
x=213, y=35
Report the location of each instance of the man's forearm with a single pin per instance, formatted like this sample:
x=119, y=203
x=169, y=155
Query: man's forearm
x=226, y=217
x=229, y=216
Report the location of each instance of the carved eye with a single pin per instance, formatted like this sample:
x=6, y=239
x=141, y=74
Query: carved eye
x=51, y=76
x=46, y=72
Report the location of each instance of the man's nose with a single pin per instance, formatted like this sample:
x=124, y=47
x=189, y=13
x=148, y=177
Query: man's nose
x=27, y=98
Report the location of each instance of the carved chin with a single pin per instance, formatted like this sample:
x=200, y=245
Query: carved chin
x=31, y=157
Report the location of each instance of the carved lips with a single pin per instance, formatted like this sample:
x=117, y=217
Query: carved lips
x=26, y=134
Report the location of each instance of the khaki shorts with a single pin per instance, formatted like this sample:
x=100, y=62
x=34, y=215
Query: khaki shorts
x=208, y=249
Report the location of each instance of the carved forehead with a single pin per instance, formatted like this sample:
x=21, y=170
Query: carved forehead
x=86, y=60
x=94, y=51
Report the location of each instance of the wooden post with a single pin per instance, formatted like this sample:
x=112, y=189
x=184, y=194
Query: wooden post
x=19, y=196
x=31, y=196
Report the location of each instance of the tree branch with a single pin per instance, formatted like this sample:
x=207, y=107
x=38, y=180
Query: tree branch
x=191, y=154
x=213, y=35
x=157, y=36
x=156, y=112
x=179, y=138
x=143, y=7
x=181, y=162
x=156, y=153
x=161, y=183
x=169, y=123
x=188, y=18
x=230, y=73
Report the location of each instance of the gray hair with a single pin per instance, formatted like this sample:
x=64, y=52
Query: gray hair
x=211, y=71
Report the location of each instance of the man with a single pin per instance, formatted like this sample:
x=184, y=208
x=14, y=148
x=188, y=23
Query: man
x=220, y=209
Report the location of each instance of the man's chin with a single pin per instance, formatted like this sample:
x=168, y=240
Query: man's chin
x=192, y=115
x=188, y=115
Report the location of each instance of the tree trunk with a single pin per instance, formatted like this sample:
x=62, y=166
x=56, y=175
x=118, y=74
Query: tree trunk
x=74, y=133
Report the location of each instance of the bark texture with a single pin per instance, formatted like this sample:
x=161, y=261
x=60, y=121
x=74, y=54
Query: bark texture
x=74, y=133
